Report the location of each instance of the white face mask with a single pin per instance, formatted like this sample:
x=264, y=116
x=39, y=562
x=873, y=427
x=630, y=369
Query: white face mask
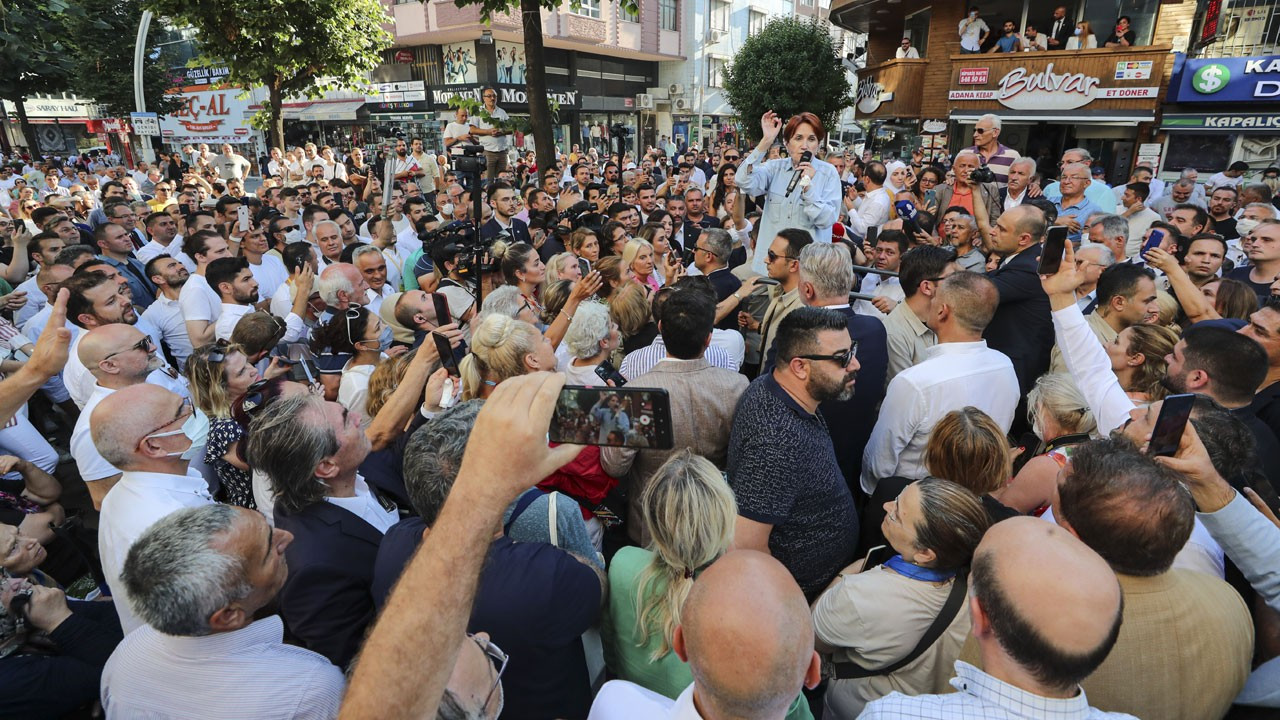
x=1246, y=226
x=1079, y=31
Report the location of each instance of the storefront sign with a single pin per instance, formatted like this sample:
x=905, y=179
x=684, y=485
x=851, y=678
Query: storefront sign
x=1133, y=70
x=933, y=126
x=206, y=115
x=1024, y=88
x=974, y=76
x=49, y=108
x=145, y=124
x=404, y=57
x=870, y=94
x=1243, y=79
x=516, y=97
x=1240, y=122
x=198, y=78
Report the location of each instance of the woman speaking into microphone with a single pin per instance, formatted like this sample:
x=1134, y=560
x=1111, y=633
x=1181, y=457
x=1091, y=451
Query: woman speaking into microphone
x=800, y=190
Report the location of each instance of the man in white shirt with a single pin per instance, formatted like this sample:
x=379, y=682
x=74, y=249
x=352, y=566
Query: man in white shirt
x=891, y=245
x=232, y=279
x=245, y=667
x=429, y=177
x=230, y=165
x=372, y=265
x=906, y=51
x=201, y=304
x=151, y=435
x=165, y=314
x=164, y=233
x=1020, y=172
x=973, y=32
x=1137, y=214
x=118, y=356
x=957, y=372
x=493, y=139
x=268, y=270
x=458, y=132
x=1231, y=177
x=875, y=204
x=43, y=249
x=744, y=596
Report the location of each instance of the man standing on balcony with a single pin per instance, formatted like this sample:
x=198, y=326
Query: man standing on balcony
x=1060, y=29
x=906, y=51
x=493, y=138
x=986, y=143
x=973, y=32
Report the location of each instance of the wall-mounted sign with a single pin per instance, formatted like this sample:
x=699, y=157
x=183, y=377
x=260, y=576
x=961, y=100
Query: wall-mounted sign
x=974, y=76
x=145, y=123
x=404, y=57
x=511, y=64
x=1237, y=123
x=512, y=99
x=1133, y=70
x=459, y=63
x=50, y=107
x=208, y=116
x=870, y=95
x=1242, y=79
x=1025, y=88
x=933, y=126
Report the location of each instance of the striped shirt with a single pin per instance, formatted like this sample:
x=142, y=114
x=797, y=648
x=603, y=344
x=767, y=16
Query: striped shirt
x=245, y=673
x=999, y=162
x=642, y=361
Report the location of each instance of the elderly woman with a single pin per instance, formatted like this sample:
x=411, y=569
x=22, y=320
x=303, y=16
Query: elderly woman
x=871, y=617
x=691, y=511
x=592, y=337
x=813, y=203
x=1061, y=418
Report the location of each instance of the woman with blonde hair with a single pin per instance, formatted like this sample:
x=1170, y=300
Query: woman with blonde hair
x=638, y=255
x=1062, y=419
x=563, y=266
x=501, y=348
x=1084, y=38
x=585, y=244
x=218, y=374
x=631, y=310
x=614, y=274
x=1137, y=358
x=968, y=448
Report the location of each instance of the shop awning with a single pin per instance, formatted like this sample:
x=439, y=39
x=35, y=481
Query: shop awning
x=295, y=112
x=334, y=111
x=1263, y=123
x=1121, y=118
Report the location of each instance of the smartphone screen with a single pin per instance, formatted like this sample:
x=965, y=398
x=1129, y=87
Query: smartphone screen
x=1055, y=245
x=1153, y=240
x=606, y=371
x=446, y=354
x=244, y=218
x=1174, y=414
x=869, y=241
x=442, y=309
x=614, y=417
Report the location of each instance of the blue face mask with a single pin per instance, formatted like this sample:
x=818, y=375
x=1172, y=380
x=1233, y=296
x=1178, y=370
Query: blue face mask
x=196, y=428
x=384, y=338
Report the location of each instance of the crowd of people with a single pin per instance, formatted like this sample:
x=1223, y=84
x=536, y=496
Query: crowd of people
x=289, y=452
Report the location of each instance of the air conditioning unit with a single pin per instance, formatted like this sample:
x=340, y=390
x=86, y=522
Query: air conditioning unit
x=681, y=104
x=644, y=101
x=675, y=89
x=718, y=35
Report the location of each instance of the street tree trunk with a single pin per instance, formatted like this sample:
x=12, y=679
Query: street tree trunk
x=539, y=108
x=276, y=133
x=28, y=131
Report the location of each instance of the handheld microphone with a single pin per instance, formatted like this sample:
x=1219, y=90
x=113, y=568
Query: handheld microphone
x=795, y=179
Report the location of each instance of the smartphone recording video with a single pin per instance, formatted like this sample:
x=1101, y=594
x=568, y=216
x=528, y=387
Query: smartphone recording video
x=613, y=417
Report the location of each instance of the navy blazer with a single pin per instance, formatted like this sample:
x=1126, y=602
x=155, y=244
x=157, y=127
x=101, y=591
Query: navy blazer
x=1022, y=327
x=519, y=230
x=327, y=602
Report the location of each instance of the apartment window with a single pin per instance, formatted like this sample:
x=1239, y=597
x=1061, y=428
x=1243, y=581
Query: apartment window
x=719, y=14
x=588, y=8
x=629, y=15
x=755, y=22
x=715, y=66
x=806, y=3
x=667, y=10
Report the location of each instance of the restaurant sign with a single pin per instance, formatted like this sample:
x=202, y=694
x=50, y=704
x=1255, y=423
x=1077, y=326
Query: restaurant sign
x=1025, y=88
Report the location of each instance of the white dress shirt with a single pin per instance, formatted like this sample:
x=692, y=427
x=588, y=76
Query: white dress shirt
x=230, y=315
x=33, y=327
x=89, y=461
x=246, y=673
x=199, y=301
x=952, y=376
x=154, y=249
x=872, y=284
x=366, y=507
x=269, y=273
x=165, y=315
x=622, y=700
x=132, y=506
x=80, y=382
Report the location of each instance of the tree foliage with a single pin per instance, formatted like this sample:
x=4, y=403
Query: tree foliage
x=791, y=66
x=293, y=47
x=33, y=57
x=103, y=42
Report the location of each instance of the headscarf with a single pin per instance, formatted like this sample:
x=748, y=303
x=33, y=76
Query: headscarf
x=889, y=169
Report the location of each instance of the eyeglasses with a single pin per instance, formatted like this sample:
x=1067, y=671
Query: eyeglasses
x=709, y=252
x=841, y=358
x=499, y=660
x=145, y=345
x=978, y=131
x=731, y=158
x=773, y=257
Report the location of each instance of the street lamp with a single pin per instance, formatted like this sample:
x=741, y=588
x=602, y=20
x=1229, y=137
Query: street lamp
x=139, y=97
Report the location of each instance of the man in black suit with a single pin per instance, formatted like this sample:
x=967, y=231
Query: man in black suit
x=311, y=450
x=684, y=234
x=711, y=257
x=1059, y=29
x=503, y=200
x=1022, y=327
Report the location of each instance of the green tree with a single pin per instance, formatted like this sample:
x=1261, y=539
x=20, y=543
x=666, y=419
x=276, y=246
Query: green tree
x=540, y=116
x=33, y=58
x=791, y=66
x=293, y=47
x=103, y=41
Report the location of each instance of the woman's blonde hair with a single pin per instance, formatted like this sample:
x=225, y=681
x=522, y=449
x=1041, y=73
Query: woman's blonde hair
x=554, y=296
x=208, y=379
x=1057, y=395
x=1154, y=342
x=579, y=237
x=690, y=512
x=553, y=265
x=498, y=347
x=384, y=380
x=968, y=448
x=632, y=249
x=630, y=309
x=610, y=269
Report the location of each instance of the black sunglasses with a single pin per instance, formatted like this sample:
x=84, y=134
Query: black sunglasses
x=842, y=358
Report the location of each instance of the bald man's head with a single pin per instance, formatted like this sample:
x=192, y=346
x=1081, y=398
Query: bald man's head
x=1044, y=600
x=128, y=416
x=747, y=635
x=116, y=355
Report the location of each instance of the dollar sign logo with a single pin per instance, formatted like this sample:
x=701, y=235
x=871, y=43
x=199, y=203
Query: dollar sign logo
x=1210, y=79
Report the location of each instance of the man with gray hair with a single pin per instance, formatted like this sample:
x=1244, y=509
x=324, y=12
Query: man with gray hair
x=826, y=276
x=534, y=599
x=1020, y=172
x=959, y=371
x=986, y=143
x=1180, y=192
x=1091, y=260
x=1111, y=232
x=711, y=249
x=151, y=435
x=340, y=286
x=312, y=450
x=1098, y=192
x=198, y=577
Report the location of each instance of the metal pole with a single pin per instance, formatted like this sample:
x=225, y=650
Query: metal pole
x=139, y=97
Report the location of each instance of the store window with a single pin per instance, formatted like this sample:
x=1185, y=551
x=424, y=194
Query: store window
x=588, y=8
x=756, y=22
x=667, y=12
x=1206, y=151
x=719, y=14
x=916, y=27
x=715, y=67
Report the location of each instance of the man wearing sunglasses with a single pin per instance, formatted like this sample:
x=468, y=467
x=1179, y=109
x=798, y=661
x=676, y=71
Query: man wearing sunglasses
x=959, y=371
x=784, y=267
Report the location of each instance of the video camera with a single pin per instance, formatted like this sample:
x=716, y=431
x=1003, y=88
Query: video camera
x=459, y=239
x=471, y=160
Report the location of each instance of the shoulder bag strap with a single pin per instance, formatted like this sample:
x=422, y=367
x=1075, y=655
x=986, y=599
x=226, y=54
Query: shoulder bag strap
x=959, y=590
x=522, y=504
